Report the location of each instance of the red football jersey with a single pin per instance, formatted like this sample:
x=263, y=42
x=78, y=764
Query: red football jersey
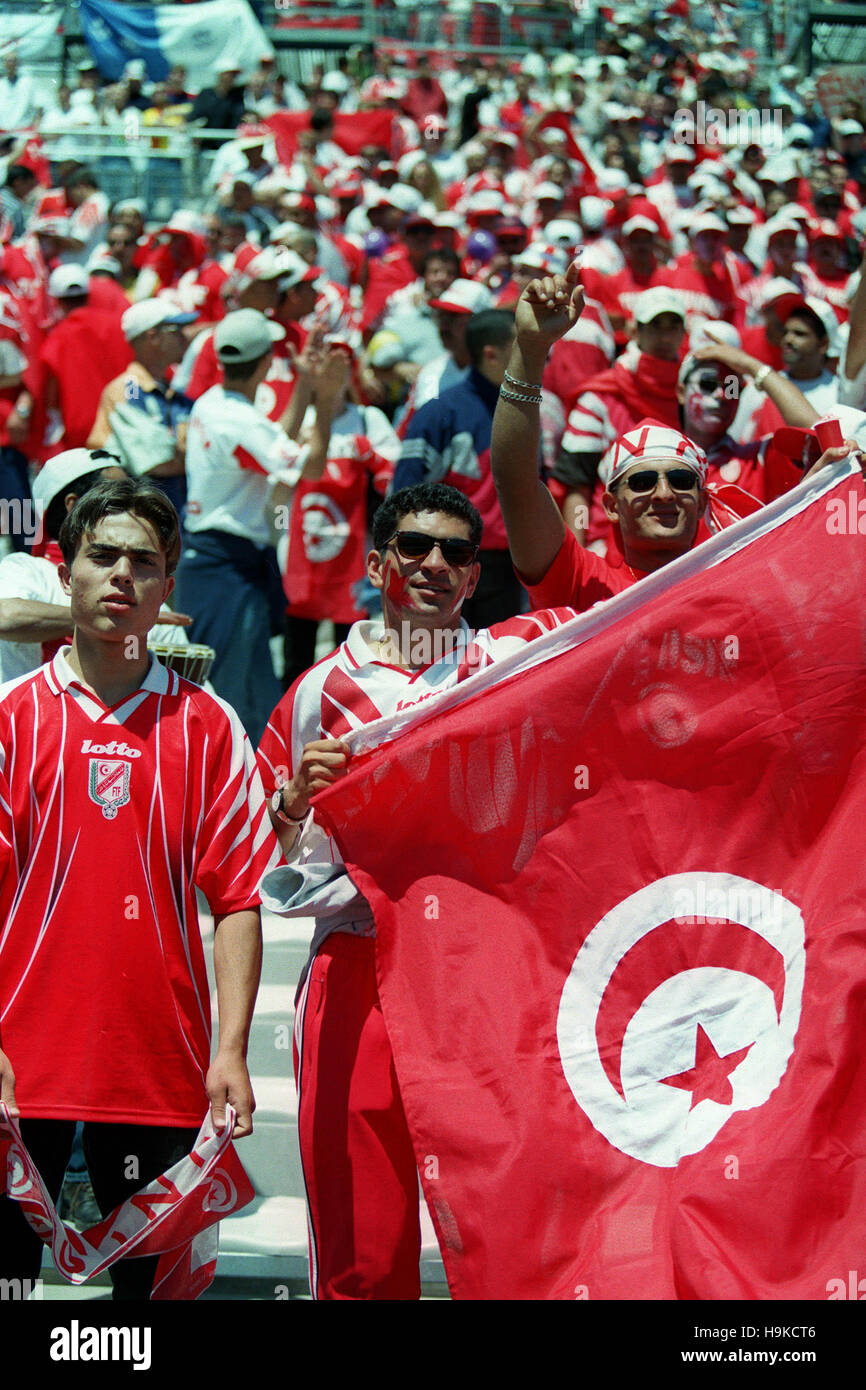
x=109, y=820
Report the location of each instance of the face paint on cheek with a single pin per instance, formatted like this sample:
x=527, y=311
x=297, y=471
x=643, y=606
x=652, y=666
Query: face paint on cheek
x=396, y=589
x=697, y=408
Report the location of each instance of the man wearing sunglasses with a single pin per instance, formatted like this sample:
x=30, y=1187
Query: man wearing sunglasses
x=357, y=1157
x=654, y=476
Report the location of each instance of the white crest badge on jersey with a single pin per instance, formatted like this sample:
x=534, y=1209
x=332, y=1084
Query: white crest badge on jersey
x=681, y=1008
x=109, y=784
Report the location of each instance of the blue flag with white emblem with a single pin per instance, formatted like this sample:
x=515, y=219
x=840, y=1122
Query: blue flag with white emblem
x=196, y=37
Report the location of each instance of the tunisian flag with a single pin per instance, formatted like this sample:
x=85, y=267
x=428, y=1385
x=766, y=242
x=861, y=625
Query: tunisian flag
x=620, y=900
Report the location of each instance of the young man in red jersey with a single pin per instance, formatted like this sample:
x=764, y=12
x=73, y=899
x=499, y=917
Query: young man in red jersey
x=122, y=789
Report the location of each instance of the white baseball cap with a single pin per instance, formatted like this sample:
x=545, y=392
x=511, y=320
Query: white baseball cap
x=708, y=331
x=639, y=224
x=740, y=216
x=151, y=313
x=101, y=263
x=60, y=473
x=68, y=280
x=676, y=153
x=781, y=223
x=658, y=300
x=707, y=222
x=778, y=288
x=293, y=269
x=185, y=220
x=464, y=297
x=551, y=260
x=781, y=169
x=593, y=212
x=564, y=231
x=245, y=335
x=823, y=312
x=550, y=191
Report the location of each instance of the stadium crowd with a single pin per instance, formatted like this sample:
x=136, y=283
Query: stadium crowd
x=376, y=261
x=388, y=212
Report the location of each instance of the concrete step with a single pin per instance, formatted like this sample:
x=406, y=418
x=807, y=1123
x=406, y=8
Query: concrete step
x=270, y=1047
x=268, y=1239
x=270, y=1155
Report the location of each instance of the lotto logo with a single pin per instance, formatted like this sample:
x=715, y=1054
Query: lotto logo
x=114, y=749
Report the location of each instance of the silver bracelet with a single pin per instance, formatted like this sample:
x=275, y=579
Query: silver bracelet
x=518, y=396
x=527, y=385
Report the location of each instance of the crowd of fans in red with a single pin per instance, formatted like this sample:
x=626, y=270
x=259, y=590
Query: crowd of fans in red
x=383, y=211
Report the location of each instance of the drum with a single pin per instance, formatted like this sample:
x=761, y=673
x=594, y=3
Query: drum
x=191, y=662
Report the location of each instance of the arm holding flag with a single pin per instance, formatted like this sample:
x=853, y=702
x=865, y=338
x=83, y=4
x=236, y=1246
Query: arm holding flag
x=322, y=761
x=546, y=310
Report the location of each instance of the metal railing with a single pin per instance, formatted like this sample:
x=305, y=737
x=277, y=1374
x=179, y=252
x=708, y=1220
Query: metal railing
x=167, y=168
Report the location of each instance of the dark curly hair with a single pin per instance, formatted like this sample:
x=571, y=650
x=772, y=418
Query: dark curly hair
x=425, y=497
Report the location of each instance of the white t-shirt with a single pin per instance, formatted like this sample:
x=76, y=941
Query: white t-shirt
x=822, y=393
x=30, y=577
x=852, y=390
x=234, y=456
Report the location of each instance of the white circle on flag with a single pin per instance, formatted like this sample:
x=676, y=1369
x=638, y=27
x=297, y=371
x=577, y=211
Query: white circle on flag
x=709, y=1011
x=221, y=1195
x=666, y=715
x=326, y=529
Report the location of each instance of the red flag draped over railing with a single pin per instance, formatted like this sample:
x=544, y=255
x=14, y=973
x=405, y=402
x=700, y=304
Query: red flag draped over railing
x=351, y=131
x=620, y=901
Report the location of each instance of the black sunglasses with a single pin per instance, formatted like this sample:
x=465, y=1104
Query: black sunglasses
x=415, y=545
x=680, y=479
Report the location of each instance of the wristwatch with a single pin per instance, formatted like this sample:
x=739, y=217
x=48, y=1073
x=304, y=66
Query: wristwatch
x=276, y=805
x=761, y=376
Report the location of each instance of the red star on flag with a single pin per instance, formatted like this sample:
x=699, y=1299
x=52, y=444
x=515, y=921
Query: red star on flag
x=708, y=1078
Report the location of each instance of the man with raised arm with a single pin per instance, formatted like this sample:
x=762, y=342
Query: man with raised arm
x=654, y=476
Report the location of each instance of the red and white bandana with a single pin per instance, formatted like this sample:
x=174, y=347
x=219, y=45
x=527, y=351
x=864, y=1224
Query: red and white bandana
x=651, y=442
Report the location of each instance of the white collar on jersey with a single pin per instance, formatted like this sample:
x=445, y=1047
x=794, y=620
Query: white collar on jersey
x=59, y=677
x=362, y=643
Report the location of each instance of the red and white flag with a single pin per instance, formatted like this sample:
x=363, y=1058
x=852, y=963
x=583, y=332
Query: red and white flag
x=620, y=902
x=175, y=1216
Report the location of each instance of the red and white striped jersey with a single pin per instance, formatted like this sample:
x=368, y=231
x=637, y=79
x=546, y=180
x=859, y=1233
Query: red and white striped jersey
x=348, y=690
x=110, y=818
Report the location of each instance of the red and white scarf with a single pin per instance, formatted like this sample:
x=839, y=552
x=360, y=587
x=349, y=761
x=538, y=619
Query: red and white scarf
x=176, y=1216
